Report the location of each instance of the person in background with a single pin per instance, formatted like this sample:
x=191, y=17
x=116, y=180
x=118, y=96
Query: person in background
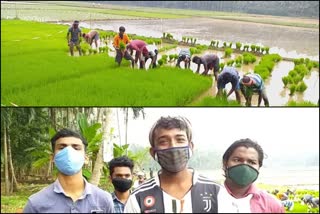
x=140, y=180
x=229, y=74
x=91, y=36
x=209, y=61
x=311, y=201
x=120, y=171
x=184, y=56
x=241, y=164
x=70, y=192
x=119, y=43
x=176, y=188
x=284, y=198
x=141, y=51
x=253, y=83
x=152, y=54
x=73, y=37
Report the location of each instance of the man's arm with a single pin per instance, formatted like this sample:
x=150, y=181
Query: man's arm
x=178, y=62
x=29, y=208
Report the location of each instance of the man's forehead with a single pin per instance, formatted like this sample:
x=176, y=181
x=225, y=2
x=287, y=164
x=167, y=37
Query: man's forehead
x=69, y=140
x=175, y=131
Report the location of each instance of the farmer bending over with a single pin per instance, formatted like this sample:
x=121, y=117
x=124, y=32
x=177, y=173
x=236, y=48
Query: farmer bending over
x=184, y=55
x=229, y=74
x=253, y=83
x=141, y=51
x=92, y=35
x=209, y=61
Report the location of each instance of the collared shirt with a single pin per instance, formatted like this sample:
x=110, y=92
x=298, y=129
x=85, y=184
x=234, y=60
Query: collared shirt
x=256, y=201
x=53, y=199
x=204, y=196
x=118, y=205
x=229, y=74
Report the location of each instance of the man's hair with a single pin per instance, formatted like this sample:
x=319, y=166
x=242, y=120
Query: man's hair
x=179, y=122
x=120, y=162
x=248, y=143
x=183, y=57
x=76, y=22
x=195, y=59
x=67, y=133
x=122, y=29
x=245, y=79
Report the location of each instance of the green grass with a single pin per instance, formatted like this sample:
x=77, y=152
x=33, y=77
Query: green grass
x=39, y=72
x=214, y=101
x=301, y=104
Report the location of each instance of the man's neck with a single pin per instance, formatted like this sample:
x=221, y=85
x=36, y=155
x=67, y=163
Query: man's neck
x=72, y=185
x=122, y=196
x=175, y=178
x=236, y=190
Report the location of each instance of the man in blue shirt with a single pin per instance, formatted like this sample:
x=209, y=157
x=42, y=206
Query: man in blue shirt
x=253, y=83
x=70, y=193
x=73, y=37
x=184, y=55
x=120, y=170
x=229, y=74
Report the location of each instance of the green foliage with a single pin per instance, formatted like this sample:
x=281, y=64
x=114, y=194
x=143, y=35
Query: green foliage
x=253, y=47
x=167, y=47
x=248, y=58
x=230, y=62
x=212, y=43
x=224, y=44
x=238, y=45
x=230, y=45
x=228, y=52
x=300, y=104
x=267, y=50
x=285, y=81
x=221, y=66
x=292, y=88
x=160, y=62
x=216, y=101
x=122, y=46
x=266, y=65
x=246, y=48
x=164, y=58
x=301, y=87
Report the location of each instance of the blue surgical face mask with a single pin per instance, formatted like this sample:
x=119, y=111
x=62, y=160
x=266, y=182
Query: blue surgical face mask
x=69, y=161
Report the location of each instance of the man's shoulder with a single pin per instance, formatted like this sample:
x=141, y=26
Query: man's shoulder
x=147, y=185
x=43, y=195
x=206, y=181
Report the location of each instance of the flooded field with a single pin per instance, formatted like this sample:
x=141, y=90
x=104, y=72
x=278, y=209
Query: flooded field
x=290, y=42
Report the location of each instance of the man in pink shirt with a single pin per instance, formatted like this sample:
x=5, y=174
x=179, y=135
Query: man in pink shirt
x=141, y=51
x=241, y=164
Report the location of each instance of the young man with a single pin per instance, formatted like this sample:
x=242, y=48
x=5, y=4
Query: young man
x=141, y=51
x=253, y=83
x=241, y=164
x=73, y=37
x=176, y=188
x=70, y=192
x=120, y=170
x=92, y=35
x=184, y=55
x=209, y=61
x=229, y=74
x=124, y=39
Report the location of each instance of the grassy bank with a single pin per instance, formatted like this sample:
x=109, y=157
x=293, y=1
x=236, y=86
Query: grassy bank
x=37, y=71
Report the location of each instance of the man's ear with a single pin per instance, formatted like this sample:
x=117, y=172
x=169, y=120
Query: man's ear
x=191, y=145
x=86, y=159
x=224, y=165
x=151, y=151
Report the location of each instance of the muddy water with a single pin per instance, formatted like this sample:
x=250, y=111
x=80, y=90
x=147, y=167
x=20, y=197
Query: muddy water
x=291, y=42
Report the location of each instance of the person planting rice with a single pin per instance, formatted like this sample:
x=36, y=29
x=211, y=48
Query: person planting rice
x=253, y=83
x=141, y=51
x=152, y=54
x=119, y=42
x=229, y=74
x=184, y=55
x=73, y=37
x=92, y=35
x=209, y=61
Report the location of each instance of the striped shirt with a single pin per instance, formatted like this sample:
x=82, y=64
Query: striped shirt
x=258, y=82
x=203, y=196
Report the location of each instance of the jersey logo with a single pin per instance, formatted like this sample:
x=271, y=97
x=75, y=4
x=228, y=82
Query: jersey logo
x=149, y=201
x=206, y=198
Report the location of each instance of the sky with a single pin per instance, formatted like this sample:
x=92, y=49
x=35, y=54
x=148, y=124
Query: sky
x=277, y=130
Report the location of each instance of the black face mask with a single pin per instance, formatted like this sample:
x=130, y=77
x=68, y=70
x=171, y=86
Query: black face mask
x=122, y=184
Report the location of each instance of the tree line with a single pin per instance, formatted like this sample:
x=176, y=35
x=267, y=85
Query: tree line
x=275, y=8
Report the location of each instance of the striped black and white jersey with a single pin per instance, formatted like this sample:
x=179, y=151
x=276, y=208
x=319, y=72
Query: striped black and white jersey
x=205, y=195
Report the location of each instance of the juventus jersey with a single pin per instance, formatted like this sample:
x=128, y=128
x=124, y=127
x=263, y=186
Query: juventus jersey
x=204, y=196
